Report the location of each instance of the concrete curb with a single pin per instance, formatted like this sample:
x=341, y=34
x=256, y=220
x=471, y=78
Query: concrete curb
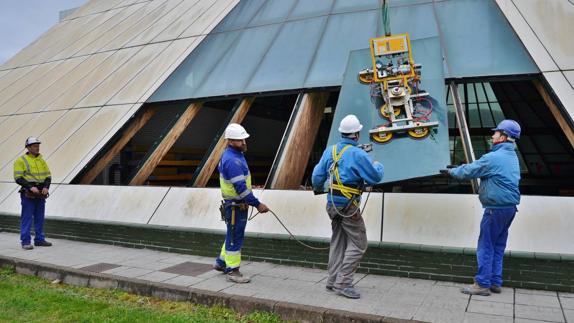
x=241, y=304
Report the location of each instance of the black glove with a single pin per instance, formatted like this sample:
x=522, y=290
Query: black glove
x=451, y=166
x=444, y=172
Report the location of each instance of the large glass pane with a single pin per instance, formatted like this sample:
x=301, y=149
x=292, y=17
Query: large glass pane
x=296, y=44
x=343, y=34
x=355, y=5
x=238, y=64
x=189, y=76
x=274, y=11
x=240, y=16
x=313, y=8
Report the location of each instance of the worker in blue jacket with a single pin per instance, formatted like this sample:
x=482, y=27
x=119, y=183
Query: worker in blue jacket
x=235, y=183
x=499, y=173
x=346, y=167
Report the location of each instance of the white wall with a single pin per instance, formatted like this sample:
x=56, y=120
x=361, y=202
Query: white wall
x=543, y=224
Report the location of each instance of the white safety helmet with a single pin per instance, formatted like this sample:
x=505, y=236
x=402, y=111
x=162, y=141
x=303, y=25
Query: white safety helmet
x=235, y=131
x=350, y=124
x=31, y=141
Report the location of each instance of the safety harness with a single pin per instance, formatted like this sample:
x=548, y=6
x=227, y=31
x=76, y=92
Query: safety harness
x=352, y=193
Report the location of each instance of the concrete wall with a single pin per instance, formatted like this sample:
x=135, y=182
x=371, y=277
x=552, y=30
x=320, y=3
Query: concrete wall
x=543, y=224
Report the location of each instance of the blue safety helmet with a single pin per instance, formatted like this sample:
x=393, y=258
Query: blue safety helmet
x=509, y=127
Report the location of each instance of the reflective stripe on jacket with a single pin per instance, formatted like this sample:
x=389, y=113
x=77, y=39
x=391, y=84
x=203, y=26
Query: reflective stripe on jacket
x=32, y=169
x=235, y=178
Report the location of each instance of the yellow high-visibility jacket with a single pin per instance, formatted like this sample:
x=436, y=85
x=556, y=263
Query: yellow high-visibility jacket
x=31, y=170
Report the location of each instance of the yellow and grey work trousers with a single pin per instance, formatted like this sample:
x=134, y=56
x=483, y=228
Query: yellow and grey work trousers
x=236, y=220
x=348, y=244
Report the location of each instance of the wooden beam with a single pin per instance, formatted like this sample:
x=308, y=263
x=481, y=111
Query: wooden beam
x=166, y=143
x=297, y=149
x=126, y=136
x=556, y=111
x=210, y=161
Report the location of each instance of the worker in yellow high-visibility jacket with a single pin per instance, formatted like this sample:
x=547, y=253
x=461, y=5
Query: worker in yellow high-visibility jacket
x=32, y=173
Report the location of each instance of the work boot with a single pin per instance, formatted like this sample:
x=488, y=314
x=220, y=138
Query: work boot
x=237, y=277
x=496, y=289
x=27, y=247
x=475, y=289
x=218, y=268
x=329, y=288
x=43, y=244
x=349, y=292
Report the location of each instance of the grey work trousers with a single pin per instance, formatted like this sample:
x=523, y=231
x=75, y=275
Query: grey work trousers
x=348, y=244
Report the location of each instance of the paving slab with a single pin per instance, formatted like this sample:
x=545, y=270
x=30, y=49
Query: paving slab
x=400, y=298
x=551, y=314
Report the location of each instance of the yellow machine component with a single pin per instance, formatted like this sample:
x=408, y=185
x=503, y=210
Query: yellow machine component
x=419, y=133
x=384, y=113
x=382, y=137
x=394, y=79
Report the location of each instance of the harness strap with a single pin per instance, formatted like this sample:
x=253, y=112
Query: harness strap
x=346, y=191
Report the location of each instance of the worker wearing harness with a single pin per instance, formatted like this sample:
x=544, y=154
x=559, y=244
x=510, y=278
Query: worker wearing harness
x=499, y=172
x=32, y=173
x=346, y=167
x=235, y=182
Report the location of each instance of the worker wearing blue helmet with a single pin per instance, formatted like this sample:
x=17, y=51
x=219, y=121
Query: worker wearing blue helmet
x=499, y=172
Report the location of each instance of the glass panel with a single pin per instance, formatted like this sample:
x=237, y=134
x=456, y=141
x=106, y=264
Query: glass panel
x=151, y=74
x=64, y=84
x=402, y=19
x=111, y=85
x=234, y=70
x=240, y=16
x=296, y=44
x=343, y=34
x=183, y=83
x=274, y=11
x=473, y=116
x=313, y=8
x=355, y=5
x=492, y=49
x=91, y=80
x=486, y=116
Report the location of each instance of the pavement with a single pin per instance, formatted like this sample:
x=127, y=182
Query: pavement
x=391, y=297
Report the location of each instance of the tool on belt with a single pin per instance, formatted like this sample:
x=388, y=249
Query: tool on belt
x=234, y=206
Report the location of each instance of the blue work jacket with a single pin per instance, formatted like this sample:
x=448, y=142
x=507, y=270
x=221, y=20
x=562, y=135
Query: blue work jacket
x=235, y=178
x=355, y=167
x=499, y=173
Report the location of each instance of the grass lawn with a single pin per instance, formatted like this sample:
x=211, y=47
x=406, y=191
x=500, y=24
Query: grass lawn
x=31, y=299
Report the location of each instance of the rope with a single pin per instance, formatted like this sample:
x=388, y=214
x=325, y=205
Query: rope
x=293, y=236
